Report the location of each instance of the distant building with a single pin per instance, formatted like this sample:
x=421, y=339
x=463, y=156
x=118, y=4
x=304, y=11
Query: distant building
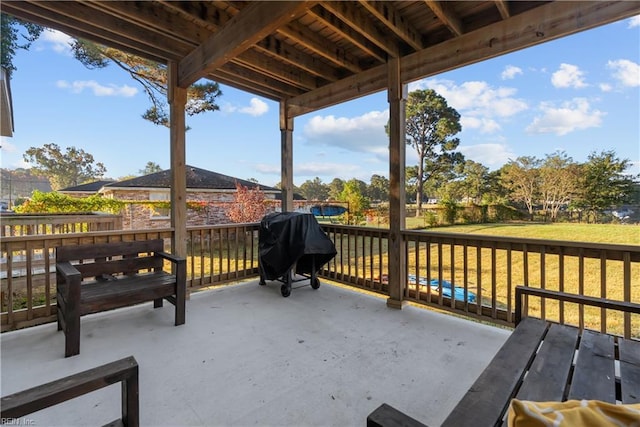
x=208, y=197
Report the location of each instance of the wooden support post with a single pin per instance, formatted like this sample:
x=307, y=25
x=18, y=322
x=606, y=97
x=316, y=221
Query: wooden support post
x=397, y=94
x=286, y=162
x=177, y=101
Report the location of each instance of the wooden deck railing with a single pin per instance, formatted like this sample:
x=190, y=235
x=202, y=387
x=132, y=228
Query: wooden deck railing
x=30, y=224
x=484, y=269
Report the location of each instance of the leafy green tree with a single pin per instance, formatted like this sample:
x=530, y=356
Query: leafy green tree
x=559, y=182
x=430, y=127
x=473, y=180
x=64, y=169
x=604, y=184
x=522, y=178
x=335, y=188
x=152, y=76
x=378, y=188
x=12, y=38
x=314, y=189
x=353, y=194
x=149, y=168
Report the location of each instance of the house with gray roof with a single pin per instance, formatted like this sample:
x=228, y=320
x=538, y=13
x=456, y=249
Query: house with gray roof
x=209, y=195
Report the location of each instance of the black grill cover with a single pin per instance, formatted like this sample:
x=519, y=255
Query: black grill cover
x=290, y=238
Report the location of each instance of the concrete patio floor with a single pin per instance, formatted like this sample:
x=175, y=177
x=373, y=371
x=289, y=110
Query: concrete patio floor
x=249, y=357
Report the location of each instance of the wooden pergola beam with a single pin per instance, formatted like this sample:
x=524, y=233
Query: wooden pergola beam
x=252, y=24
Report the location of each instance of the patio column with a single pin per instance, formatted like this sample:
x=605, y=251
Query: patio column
x=397, y=95
x=286, y=160
x=177, y=97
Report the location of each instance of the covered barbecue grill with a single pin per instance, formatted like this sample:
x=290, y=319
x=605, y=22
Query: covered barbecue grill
x=290, y=244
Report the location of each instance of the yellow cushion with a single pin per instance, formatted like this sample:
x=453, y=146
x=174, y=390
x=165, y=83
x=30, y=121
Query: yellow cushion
x=583, y=413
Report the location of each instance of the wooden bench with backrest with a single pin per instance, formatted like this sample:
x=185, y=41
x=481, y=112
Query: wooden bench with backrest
x=538, y=363
x=125, y=371
x=99, y=277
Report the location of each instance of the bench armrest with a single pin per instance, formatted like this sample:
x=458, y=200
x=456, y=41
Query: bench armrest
x=624, y=306
x=173, y=258
x=68, y=280
x=67, y=270
x=43, y=396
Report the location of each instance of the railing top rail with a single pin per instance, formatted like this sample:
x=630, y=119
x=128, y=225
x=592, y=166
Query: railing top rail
x=71, y=236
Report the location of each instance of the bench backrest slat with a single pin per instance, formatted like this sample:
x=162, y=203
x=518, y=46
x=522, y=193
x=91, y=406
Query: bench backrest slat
x=113, y=258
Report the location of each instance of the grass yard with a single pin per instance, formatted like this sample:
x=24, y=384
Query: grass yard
x=596, y=233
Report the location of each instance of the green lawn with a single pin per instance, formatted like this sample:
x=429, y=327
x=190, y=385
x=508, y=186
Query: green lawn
x=600, y=233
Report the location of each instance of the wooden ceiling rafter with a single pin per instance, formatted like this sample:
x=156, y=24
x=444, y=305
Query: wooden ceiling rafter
x=388, y=15
x=447, y=17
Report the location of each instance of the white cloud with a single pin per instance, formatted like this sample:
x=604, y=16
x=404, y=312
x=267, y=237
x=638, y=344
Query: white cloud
x=483, y=124
x=570, y=116
x=634, y=21
x=568, y=76
x=364, y=134
x=492, y=155
x=605, y=87
x=78, y=86
x=58, y=41
x=256, y=108
x=625, y=71
x=510, y=71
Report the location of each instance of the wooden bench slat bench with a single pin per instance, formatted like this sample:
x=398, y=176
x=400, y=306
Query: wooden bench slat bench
x=100, y=277
x=125, y=370
x=544, y=361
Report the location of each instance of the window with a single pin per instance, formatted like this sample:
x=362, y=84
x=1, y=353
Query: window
x=160, y=211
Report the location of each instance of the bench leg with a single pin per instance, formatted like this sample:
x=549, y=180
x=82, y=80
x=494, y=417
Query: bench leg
x=181, y=295
x=130, y=402
x=72, y=335
x=157, y=303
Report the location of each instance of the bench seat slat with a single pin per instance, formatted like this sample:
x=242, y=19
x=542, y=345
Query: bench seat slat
x=487, y=398
x=629, y=370
x=547, y=378
x=594, y=375
x=100, y=296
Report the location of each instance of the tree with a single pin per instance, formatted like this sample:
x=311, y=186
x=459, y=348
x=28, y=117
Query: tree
x=150, y=167
x=474, y=180
x=152, y=76
x=353, y=194
x=12, y=39
x=248, y=205
x=522, y=178
x=378, y=188
x=73, y=167
x=558, y=182
x=335, y=188
x=314, y=190
x=604, y=184
x=430, y=127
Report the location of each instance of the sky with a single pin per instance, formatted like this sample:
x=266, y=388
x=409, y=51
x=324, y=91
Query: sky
x=579, y=94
